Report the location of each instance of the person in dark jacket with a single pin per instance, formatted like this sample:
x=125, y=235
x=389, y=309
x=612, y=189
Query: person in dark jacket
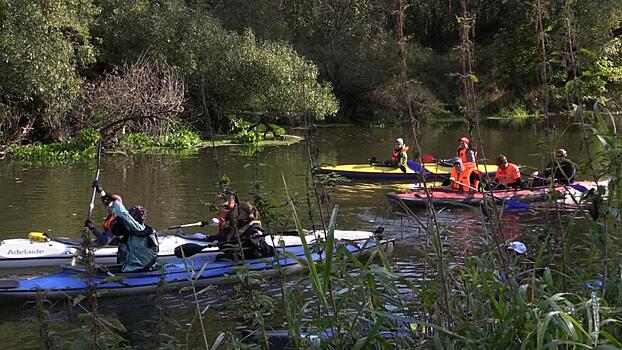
x=250, y=234
x=560, y=170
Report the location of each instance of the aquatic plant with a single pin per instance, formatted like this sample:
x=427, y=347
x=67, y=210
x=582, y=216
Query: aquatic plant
x=247, y=137
x=43, y=315
x=81, y=148
x=182, y=138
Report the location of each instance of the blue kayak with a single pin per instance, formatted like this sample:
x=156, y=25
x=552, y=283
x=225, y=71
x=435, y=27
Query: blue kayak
x=281, y=339
x=177, y=273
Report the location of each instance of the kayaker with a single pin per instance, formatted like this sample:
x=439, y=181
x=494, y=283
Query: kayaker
x=399, y=157
x=560, y=170
x=465, y=152
x=227, y=203
x=250, y=233
x=138, y=243
x=227, y=209
x=508, y=174
x=465, y=179
x=105, y=236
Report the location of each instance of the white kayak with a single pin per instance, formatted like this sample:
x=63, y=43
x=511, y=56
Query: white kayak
x=42, y=251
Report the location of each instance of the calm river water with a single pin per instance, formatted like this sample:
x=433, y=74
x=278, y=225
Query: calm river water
x=176, y=189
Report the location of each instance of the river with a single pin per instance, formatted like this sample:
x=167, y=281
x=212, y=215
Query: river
x=177, y=189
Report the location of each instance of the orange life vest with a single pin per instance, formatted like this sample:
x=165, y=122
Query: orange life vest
x=508, y=175
x=468, y=165
x=396, y=153
x=462, y=154
x=464, y=179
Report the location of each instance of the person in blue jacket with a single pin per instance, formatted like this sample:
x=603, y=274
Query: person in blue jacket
x=138, y=243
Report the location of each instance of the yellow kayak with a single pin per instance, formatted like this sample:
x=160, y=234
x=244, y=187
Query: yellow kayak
x=414, y=171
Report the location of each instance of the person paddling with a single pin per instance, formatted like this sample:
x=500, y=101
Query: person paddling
x=399, y=157
x=462, y=178
x=105, y=236
x=465, y=152
x=138, y=243
x=508, y=174
x=227, y=209
x=560, y=170
x=250, y=233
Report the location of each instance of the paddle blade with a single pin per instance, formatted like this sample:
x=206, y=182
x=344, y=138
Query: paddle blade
x=414, y=166
x=579, y=187
x=512, y=204
x=427, y=158
x=9, y=284
x=188, y=250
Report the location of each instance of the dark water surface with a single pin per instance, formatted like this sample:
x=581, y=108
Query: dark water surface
x=176, y=189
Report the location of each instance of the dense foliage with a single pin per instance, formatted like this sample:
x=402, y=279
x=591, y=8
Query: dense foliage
x=277, y=61
x=43, y=48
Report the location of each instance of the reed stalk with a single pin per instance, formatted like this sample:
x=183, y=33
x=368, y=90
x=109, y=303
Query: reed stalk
x=198, y=313
x=41, y=305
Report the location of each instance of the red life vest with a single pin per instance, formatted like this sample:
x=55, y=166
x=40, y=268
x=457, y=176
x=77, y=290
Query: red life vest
x=508, y=175
x=396, y=153
x=108, y=222
x=223, y=214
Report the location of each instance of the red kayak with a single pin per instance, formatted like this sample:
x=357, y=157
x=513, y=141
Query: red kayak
x=442, y=196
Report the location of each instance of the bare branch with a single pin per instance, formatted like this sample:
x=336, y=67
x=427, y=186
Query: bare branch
x=143, y=97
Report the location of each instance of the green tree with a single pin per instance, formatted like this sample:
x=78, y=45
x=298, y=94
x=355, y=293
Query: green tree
x=354, y=45
x=229, y=74
x=43, y=46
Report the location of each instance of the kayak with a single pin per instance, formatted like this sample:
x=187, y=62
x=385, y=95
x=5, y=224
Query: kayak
x=24, y=252
x=414, y=171
x=39, y=250
x=280, y=339
x=441, y=196
x=199, y=270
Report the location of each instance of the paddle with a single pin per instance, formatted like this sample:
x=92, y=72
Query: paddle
x=509, y=202
x=92, y=204
x=576, y=186
x=429, y=158
x=86, y=244
x=213, y=222
x=200, y=223
x=189, y=249
x=373, y=161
